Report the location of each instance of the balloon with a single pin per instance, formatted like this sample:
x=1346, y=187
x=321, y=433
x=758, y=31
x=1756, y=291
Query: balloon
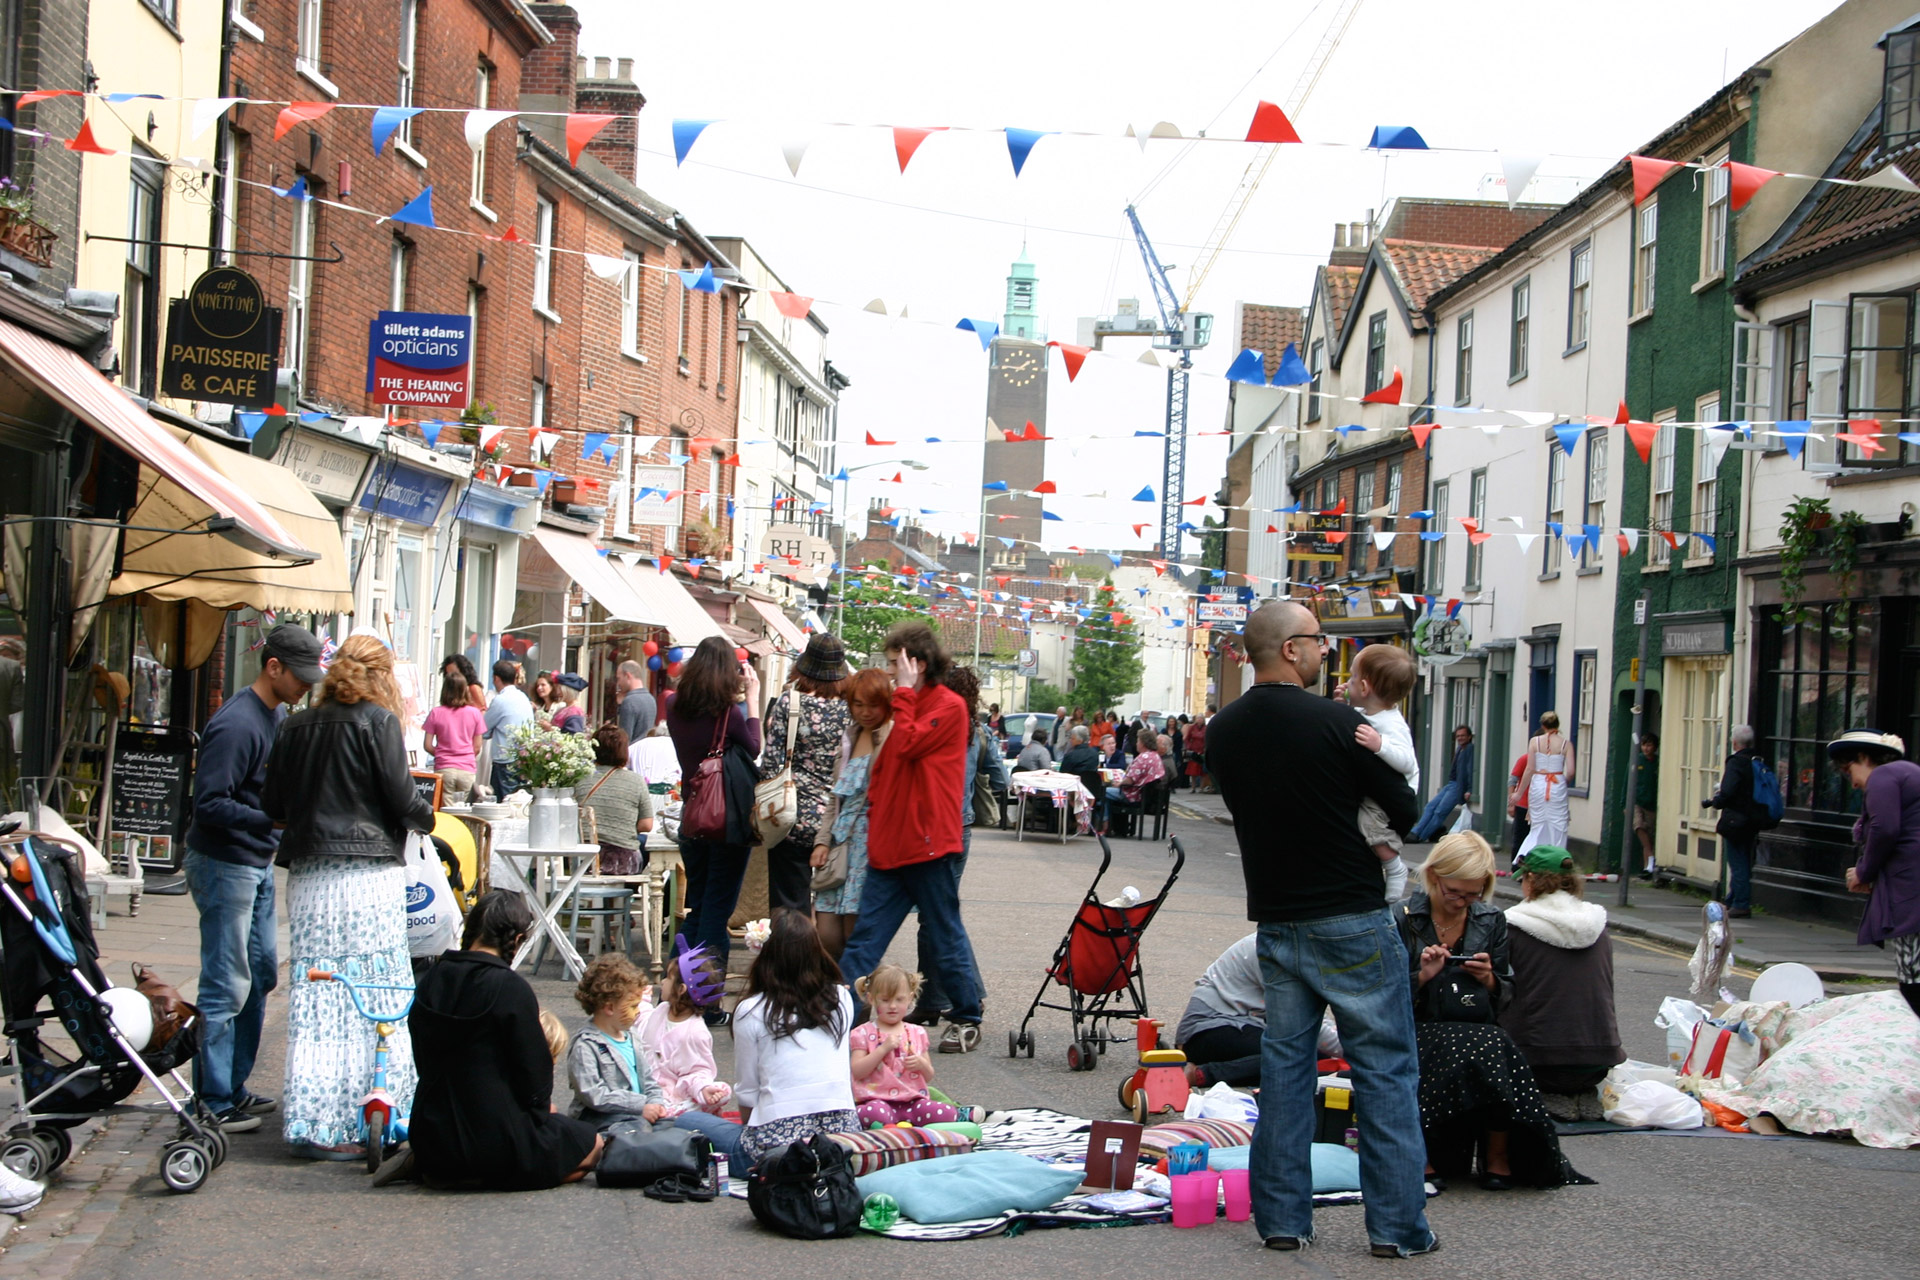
x=653, y=662
x=740, y=654
x=676, y=655
x=650, y=648
x=673, y=669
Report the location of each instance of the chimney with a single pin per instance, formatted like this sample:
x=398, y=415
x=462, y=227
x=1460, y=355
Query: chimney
x=1339, y=235
x=610, y=90
x=1349, y=245
x=550, y=71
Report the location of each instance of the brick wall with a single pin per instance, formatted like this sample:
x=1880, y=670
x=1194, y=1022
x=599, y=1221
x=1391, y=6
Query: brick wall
x=610, y=90
x=53, y=55
x=1473, y=222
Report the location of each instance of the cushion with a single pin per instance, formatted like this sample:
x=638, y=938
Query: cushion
x=1335, y=1168
x=1157, y=1141
x=979, y=1184
x=872, y=1150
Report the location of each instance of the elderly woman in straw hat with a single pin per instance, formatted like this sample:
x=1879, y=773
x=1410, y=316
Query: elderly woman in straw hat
x=1888, y=834
x=813, y=711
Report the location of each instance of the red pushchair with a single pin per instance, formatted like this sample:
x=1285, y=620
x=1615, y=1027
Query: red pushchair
x=1098, y=962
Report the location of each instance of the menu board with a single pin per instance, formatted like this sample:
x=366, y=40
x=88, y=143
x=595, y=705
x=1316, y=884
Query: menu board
x=150, y=773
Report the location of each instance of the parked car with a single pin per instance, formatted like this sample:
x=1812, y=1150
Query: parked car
x=1018, y=725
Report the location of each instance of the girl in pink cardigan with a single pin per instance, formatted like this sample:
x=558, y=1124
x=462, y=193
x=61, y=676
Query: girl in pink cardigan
x=679, y=1047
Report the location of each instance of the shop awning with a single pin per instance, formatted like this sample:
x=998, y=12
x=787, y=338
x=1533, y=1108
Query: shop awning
x=64, y=376
x=671, y=605
x=749, y=639
x=217, y=572
x=779, y=625
x=580, y=560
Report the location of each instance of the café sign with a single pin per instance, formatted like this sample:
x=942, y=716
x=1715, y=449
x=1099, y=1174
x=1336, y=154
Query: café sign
x=223, y=342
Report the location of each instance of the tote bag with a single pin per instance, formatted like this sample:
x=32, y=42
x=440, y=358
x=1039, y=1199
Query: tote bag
x=703, y=809
x=776, y=802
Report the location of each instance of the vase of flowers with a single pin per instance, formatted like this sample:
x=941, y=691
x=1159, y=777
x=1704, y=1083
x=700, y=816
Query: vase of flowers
x=552, y=763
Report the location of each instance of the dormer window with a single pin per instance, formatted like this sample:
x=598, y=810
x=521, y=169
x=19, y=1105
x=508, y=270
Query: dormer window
x=1900, y=89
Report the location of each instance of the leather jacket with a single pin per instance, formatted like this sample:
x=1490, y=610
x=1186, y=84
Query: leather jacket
x=1486, y=931
x=339, y=778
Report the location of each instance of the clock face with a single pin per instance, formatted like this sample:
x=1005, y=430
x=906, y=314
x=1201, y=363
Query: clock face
x=1019, y=368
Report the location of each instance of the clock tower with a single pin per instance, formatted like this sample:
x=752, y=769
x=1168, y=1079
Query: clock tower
x=1016, y=395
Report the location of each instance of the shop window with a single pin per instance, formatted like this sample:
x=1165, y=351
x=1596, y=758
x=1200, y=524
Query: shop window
x=1817, y=680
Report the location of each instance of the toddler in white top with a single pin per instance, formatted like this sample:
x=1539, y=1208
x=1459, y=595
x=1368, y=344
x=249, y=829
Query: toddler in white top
x=1382, y=677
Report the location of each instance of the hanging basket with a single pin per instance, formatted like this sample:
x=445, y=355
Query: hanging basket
x=21, y=234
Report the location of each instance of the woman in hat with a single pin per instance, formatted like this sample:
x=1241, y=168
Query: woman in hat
x=1560, y=1011
x=1888, y=834
x=567, y=715
x=814, y=708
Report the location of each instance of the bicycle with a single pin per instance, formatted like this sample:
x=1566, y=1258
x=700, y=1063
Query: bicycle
x=380, y=1127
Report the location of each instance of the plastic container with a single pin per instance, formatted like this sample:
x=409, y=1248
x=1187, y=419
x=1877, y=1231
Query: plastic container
x=1237, y=1189
x=1187, y=1157
x=1196, y=1198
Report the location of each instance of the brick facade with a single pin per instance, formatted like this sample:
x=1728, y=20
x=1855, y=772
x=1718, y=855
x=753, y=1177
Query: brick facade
x=52, y=54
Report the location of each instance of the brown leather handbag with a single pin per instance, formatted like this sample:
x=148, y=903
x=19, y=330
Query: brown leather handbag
x=176, y=1024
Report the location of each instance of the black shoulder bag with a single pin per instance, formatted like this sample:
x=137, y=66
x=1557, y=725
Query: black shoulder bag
x=805, y=1191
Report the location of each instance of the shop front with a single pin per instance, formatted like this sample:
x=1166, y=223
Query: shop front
x=1695, y=655
x=485, y=572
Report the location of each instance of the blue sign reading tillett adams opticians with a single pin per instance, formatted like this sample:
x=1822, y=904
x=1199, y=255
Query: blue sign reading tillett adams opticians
x=420, y=360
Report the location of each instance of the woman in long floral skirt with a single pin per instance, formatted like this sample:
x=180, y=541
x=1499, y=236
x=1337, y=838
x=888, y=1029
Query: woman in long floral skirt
x=338, y=779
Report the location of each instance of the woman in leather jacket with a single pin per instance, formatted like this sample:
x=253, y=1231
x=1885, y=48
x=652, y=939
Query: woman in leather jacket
x=340, y=784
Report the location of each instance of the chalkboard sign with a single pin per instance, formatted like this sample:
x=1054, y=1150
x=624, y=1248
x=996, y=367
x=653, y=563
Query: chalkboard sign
x=150, y=773
x=427, y=784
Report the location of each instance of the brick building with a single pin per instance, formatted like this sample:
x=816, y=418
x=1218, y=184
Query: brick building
x=43, y=44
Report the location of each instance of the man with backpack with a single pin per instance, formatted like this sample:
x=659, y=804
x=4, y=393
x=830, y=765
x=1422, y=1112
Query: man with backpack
x=1749, y=803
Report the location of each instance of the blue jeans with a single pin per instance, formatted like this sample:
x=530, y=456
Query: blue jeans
x=723, y=1134
x=933, y=887
x=505, y=780
x=1434, y=819
x=1739, y=872
x=714, y=874
x=1357, y=965
x=933, y=992
x=239, y=965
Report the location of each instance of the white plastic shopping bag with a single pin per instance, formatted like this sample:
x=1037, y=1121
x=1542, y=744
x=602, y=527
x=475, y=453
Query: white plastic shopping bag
x=1223, y=1102
x=1650, y=1103
x=433, y=919
x=1678, y=1018
x=1462, y=823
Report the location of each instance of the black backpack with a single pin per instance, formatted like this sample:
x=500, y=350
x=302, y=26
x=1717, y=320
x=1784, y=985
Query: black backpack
x=805, y=1190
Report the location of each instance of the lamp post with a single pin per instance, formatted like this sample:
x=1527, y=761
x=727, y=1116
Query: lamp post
x=980, y=578
x=846, y=517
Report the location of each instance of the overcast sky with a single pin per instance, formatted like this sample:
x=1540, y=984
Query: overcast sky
x=1581, y=83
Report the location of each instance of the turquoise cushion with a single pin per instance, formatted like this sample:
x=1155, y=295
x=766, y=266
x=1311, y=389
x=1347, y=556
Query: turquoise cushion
x=982, y=1184
x=1335, y=1168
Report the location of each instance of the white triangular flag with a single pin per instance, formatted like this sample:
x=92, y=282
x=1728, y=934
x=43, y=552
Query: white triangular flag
x=1633, y=539
x=1519, y=171
x=1716, y=443
x=367, y=428
x=207, y=112
x=1492, y=428
x=794, y=150
x=606, y=267
x=878, y=306
x=1381, y=541
x=1406, y=600
x=1888, y=178
x=479, y=122
x=1525, y=540
x=1166, y=129
x=1519, y=522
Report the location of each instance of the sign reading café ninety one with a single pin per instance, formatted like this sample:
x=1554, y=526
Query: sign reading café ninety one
x=223, y=342
x=417, y=359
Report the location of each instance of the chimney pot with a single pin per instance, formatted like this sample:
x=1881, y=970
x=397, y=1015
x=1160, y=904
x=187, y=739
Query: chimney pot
x=582, y=67
x=1339, y=235
x=626, y=69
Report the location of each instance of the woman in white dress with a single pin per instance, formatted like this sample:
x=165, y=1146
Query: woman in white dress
x=1549, y=766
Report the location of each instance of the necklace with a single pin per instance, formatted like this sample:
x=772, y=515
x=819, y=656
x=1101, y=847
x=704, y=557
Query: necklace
x=1273, y=684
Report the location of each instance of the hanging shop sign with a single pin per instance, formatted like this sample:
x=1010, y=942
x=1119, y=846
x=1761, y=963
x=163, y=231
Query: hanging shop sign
x=787, y=542
x=406, y=493
x=420, y=359
x=223, y=342
x=1693, y=638
x=1220, y=611
x=658, y=500
x=329, y=467
x=1310, y=542
x=1441, y=640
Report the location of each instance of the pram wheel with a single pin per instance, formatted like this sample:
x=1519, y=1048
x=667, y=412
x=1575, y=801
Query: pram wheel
x=1013, y=1044
x=216, y=1146
x=1083, y=1056
x=184, y=1166
x=376, y=1140
x=30, y=1156
x=59, y=1143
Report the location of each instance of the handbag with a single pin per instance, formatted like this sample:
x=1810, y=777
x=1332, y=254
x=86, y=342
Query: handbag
x=1454, y=996
x=805, y=1191
x=1724, y=1051
x=776, y=802
x=703, y=796
x=834, y=873
x=176, y=1024
x=639, y=1154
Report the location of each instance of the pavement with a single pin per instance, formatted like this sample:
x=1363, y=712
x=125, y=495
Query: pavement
x=1673, y=917
x=1661, y=1206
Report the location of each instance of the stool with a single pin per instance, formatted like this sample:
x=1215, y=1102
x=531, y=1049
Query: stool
x=594, y=903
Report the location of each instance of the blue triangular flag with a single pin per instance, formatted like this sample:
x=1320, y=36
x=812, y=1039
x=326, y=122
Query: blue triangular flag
x=1911, y=437
x=1396, y=137
x=387, y=122
x=418, y=211
x=1020, y=145
x=1188, y=526
x=591, y=442
x=250, y=423
x=1048, y=515
x=296, y=190
x=1248, y=367
x=986, y=330
x=999, y=486
x=684, y=133
x=933, y=439
x=1793, y=436
x=1411, y=515
x=541, y=479
x=701, y=281
x=431, y=432
x=1569, y=433
x=1145, y=495
x=1592, y=532
x=1293, y=370
x=1114, y=558
x=128, y=97
x=1293, y=510
x=1005, y=542
x=1155, y=435
x=1555, y=528
x=1576, y=543
x=1707, y=538
x=843, y=475
x=1432, y=535
x=1348, y=430
x=310, y=415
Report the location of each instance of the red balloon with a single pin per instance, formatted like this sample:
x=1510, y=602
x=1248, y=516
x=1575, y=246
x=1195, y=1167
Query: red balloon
x=673, y=669
x=740, y=654
x=650, y=648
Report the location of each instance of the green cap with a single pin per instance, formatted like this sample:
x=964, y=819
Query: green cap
x=1546, y=860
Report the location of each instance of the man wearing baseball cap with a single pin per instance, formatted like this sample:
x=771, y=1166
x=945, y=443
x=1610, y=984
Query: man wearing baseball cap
x=230, y=848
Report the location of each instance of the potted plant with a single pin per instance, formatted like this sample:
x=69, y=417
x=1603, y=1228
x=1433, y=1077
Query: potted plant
x=553, y=763
x=1808, y=527
x=20, y=232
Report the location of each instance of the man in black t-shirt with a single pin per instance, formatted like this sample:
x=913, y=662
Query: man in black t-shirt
x=1293, y=776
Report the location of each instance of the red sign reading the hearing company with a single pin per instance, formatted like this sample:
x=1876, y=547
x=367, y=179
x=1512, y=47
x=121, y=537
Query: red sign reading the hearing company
x=419, y=360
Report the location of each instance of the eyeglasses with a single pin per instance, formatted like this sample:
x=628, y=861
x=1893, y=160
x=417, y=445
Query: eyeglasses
x=1319, y=638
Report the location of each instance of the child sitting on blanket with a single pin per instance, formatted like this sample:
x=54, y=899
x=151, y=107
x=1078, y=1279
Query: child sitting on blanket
x=891, y=1070
x=610, y=1077
x=678, y=1047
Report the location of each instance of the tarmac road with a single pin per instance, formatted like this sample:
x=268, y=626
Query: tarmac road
x=1663, y=1206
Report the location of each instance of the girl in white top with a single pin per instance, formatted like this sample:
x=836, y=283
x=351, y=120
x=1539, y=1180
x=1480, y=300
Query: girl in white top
x=1549, y=766
x=790, y=1043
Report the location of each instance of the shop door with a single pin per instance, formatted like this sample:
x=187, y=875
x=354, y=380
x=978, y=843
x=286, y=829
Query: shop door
x=1495, y=760
x=1693, y=750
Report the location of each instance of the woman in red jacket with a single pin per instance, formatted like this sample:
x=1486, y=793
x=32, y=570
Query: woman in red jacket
x=914, y=828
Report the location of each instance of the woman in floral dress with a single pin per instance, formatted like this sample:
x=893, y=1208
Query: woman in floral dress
x=870, y=702
x=814, y=696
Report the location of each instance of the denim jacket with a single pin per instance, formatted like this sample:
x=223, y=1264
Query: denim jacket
x=599, y=1076
x=1486, y=931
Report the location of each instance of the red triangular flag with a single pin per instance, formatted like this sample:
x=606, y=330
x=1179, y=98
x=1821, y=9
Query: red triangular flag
x=512, y=235
x=1159, y=566
x=1074, y=357
x=1045, y=486
x=1642, y=434
x=1673, y=539
x=906, y=141
x=1389, y=394
x=1339, y=508
x=1033, y=433
x=41, y=95
x=896, y=479
x=1745, y=179
x=1195, y=502
x=1864, y=434
x=275, y=411
x=1270, y=124
x=666, y=563
x=791, y=305
x=1271, y=529
x=1647, y=172
x=731, y=460
x=1625, y=548
x=84, y=141
x=580, y=131
x=879, y=443
x=297, y=113
x=1420, y=430
x=1335, y=536
x=1621, y=417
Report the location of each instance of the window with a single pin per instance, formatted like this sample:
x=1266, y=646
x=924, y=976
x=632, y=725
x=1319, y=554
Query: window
x=1463, y=359
x=1477, y=512
x=543, y=254
x=1646, y=236
x=140, y=308
x=1879, y=351
x=482, y=100
x=1376, y=351
x=1593, y=554
x=309, y=30
x=1660, y=508
x=408, y=553
x=1556, y=505
x=1580, y=295
x=165, y=10
x=1824, y=357
x=475, y=630
x=1392, y=505
x=1816, y=682
x=399, y=268
x=1713, y=218
x=476, y=299
x=537, y=410
x=1900, y=90
x=1793, y=346
x=409, y=44
x=623, y=487
x=1315, y=368
x=1707, y=455
x=630, y=305
x=1698, y=690
x=686, y=318
x=1362, y=535
x=1586, y=679
x=12, y=41
x=1752, y=371
x=1329, y=498
x=1518, y=328
x=1437, y=549
x=300, y=289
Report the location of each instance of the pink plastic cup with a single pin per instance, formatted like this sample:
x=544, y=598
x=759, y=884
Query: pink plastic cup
x=1195, y=1197
x=1239, y=1194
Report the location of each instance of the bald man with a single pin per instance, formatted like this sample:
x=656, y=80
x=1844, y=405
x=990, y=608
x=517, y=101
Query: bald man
x=1293, y=777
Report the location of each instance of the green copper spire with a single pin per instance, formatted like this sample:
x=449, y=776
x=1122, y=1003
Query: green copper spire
x=1022, y=319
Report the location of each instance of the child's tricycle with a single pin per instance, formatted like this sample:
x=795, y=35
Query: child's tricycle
x=383, y=1129
x=1159, y=1083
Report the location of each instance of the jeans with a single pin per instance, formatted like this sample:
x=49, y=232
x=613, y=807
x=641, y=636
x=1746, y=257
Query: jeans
x=933, y=992
x=714, y=874
x=934, y=888
x=1227, y=1055
x=505, y=780
x=723, y=1134
x=790, y=873
x=1434, y=819
x=239, y=965
x=1356, y=964
x=1739, y=853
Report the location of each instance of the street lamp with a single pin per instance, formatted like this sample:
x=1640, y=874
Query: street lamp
x=846, y=518
x=980, y=578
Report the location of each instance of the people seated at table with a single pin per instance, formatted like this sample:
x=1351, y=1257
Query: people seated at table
x=1146, y=770
x=1113, y=755
x=1033, y=757
x=622, y=807
x=1082, y=760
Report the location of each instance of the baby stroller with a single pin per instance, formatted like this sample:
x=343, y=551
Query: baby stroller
x=1098, y=962
x=48, y=951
